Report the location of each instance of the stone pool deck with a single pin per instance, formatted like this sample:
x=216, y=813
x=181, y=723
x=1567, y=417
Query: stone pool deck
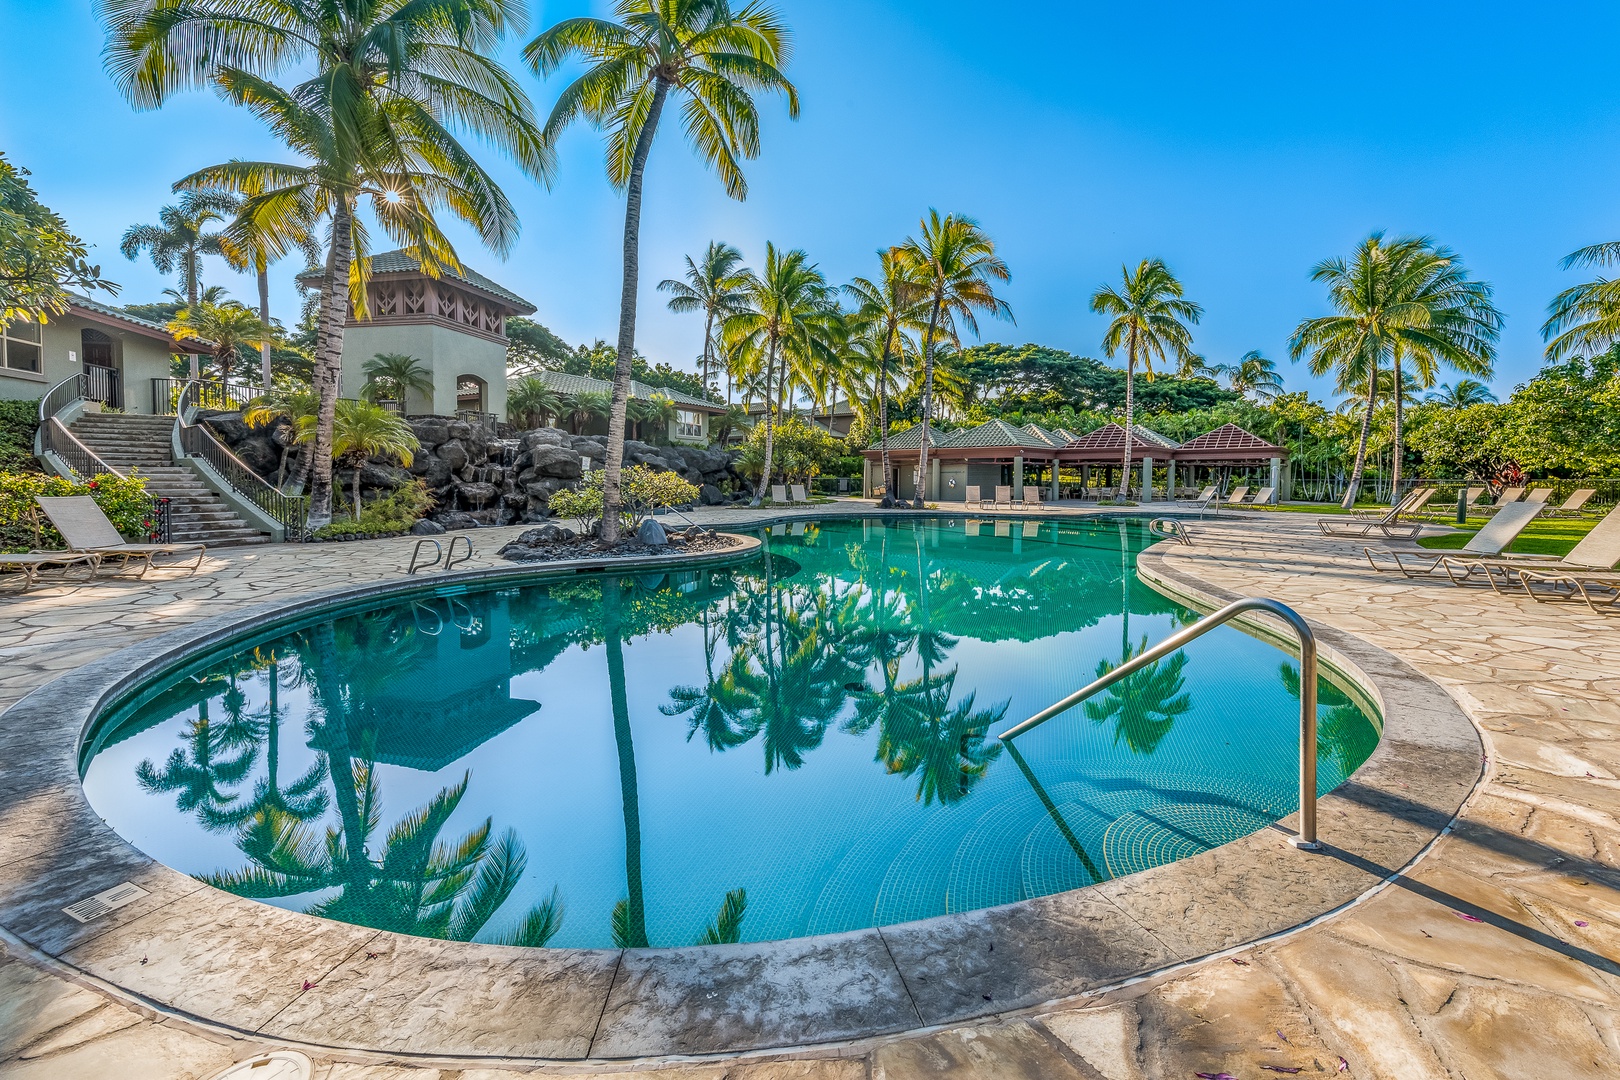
x=1474, y=965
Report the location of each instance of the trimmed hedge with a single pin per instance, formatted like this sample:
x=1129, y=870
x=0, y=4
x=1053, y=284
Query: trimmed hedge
x=18, y=420
x=22, y=528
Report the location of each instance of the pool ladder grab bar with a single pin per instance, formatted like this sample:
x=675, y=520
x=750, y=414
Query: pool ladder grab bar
x=1306, y=838
x=438, y=554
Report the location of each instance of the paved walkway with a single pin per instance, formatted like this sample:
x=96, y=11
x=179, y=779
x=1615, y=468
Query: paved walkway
x=1499, y=956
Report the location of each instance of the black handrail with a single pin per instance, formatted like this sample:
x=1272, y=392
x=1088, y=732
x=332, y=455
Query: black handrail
x=292, y=511
x=56, y=438
x=204, y=394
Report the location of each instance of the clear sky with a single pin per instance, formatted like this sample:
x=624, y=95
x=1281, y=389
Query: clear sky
x=1241, y=143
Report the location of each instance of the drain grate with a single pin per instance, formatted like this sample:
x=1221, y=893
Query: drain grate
x=94, y=907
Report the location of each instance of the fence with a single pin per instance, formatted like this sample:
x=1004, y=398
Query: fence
x=292, y=511
x=205, y=394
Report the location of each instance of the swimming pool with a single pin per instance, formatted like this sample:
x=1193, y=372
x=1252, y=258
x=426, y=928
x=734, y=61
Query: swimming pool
x=798, y=744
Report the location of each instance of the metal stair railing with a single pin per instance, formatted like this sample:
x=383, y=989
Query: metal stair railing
x=1306, y=837
x=292, y=511
x=57, y=438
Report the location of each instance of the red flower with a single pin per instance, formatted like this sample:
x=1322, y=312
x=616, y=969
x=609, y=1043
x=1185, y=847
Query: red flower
x=94, y=484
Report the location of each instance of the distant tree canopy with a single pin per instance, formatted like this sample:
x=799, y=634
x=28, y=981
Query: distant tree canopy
x=1040, y=377
x=40, y=258
x=530, y=347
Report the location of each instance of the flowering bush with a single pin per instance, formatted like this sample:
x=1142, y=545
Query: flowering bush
x=122, y=499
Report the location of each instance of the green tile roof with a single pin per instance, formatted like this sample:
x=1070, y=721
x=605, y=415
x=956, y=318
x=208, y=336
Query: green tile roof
x=398, y=262
x=564, y=383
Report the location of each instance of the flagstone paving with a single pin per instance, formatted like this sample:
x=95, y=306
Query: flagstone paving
x=1498, y=955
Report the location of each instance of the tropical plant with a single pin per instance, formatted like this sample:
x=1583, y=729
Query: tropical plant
x=786, y=308
x=1149, y=317
x=40, y=259
x=955, y=265
x=531, y=401
x=652, y=416
x=1253, y=376
x=1462, y=394
x=700, y=50
x=727, y=926
x=1401, y=299
x=394, y=376
x=247, y=249
x=181, y=239
x=363, y=430
x=585, y=405
x=889, y=308
x=229, y=328
x=1585, y=319
x=734, y=419
x=372, y=124
x=715, y=286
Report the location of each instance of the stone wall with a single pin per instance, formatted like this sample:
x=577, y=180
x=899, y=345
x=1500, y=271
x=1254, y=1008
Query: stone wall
x=476, y=479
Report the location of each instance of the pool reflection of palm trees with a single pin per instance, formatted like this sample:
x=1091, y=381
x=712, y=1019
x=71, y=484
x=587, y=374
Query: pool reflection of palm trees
x=1143, y=706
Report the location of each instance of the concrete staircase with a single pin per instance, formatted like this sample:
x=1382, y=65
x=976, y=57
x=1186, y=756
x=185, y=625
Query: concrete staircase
x=143, y=444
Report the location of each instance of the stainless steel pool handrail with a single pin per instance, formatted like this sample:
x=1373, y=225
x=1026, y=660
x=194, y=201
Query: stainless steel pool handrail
x=1306, y=838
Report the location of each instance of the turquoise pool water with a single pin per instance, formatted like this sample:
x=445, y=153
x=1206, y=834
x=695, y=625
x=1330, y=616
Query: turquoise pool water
x=800, y=744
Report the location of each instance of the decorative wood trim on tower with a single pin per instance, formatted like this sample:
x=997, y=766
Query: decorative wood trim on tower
x=403, y=299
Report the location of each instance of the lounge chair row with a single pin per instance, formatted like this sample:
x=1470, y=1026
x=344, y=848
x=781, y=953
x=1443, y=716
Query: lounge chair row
x=1588, y=570
x=91, y=540
x=1032, y=498
x=780, y=495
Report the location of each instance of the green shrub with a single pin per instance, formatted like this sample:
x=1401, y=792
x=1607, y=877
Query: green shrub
x=642, y=489
x=394, y=513
x=799, y=451
x=582, y=505
x=123, y=500
x=18, y=419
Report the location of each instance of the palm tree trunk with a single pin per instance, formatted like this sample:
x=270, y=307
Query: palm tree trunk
x=708, y=348
x=628, y=790
x=611, y=497
x=883, y=417
x=770, y=432
x=927, y=403
x=264, y=317
x=191, y=302
x=1130, y=416
x=329, y=360
x=1366, y=434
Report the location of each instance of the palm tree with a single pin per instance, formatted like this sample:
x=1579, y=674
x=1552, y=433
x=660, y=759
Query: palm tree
x=956, y=265
x=786, y=305
x=531, y=401
x=246, y=249
x=1253, y=376
x=581, y=407
x=1401, y=299
x=372, y=124
x=181, y=239
x=1150, y=319
x=702, y=50
x=200, y=775
x=1462, y=394
x=890, y=307
x=394, y=376
x=713, y=286
x=229, y=326
x=364, y=430
x=1585, y=318
x=1144, y=705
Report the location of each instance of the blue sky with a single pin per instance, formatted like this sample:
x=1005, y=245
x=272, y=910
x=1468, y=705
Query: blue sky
x=1240, y=143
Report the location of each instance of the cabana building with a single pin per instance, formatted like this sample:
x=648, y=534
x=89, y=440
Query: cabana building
x=1230, y=447
x=993, y=454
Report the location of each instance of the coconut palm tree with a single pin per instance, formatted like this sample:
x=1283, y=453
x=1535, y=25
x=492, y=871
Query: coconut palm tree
x=785, y=310
x=181, y=238
x=955, y=263
x=1585, y=318
x=891, y=308
x=231, y=328
x=531, y=402
x=714, y=285
x=1144, y=705
x=248, y=250
x=1150, y=318
x=201, y=774
x=1402, y=299
x=394, y=376
x=701, y=51
x=585, y=405
x=1253, y=376
x=364, y=430
x=371, y=125
x=1462, y=394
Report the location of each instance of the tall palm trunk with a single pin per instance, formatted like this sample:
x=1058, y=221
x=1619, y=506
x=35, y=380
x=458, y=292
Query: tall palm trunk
x=1130, y=416
x=927, y=403
x=1395, y=463
x=628, y=789
x=264, y=317
x=883, y=417
x=1366, y=434
x=611, y=497
x=770, y=432
x=708, y=348
x=192, y=275
x=329, y=360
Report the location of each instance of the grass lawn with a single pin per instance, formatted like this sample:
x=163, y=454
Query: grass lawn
x=1552, y=537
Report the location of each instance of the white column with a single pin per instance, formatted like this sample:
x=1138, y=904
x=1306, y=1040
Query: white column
x=1053, y=494
x=1147, y=479
x=1170, y=493
x=1276, y=480
x=1018, y=477
x=933, y=480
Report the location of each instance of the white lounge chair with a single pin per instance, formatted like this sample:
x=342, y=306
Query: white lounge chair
x=1004, y=496
x=779, y=494
x=1574, y=504
x=1203, y=496
x=973, y=498
x=87, y=529
x=34, y=562
x=798, y=494
x=1387, y=522
x=1263, y=497
x=1508, y=497
x=1034, y=499
x=1498, y=533
x=1593, y=559
x=1238, y=495
x=1540, y=495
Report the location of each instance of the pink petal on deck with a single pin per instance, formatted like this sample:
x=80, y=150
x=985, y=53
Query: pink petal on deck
x=1467, y=917
x=1281, y=1069
x=1580, y=922
x=1344, y=1066
x=1215, y=1076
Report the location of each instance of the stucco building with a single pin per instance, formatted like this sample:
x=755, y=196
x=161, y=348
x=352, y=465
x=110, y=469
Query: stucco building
x=455, y=324
x=120, y=354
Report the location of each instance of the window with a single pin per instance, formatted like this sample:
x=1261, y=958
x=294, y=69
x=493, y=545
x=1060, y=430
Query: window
x=688, y=425
x=20, y=347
